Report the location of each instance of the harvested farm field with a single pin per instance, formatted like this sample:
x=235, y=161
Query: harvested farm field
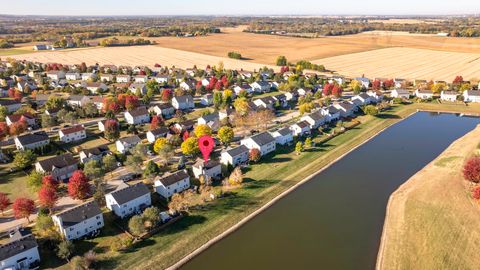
x=407, y=63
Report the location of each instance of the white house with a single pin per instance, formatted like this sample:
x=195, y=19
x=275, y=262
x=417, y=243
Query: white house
x=331, y=113
x=364, y=81
x=315, y=119
x=101, y=125
x=283, y=136
x=448, y=95
x=73, y=76
x=212, y=120
x=166, y=110
x=209, y=169
x=187, y=85
x=301, y=128
x=32, y=141
x=106, y=77
x=162, y=78
x=364, y=98
x=206, y=100
x=423, y=94
x=123, y=78
x=375, y=96
x=170, y=184
x=59, y=167
x=129, y=200
x=260, y=86
x=55, y=75
x=265, y=102
x=400, y=93
x=28, y=118
x=138, y=87
x=141, y=79
x=471, y=96
x=79, y=221
x=88, y=76
x=95, y=153
x=137, y=116
x=20, y=252
x=10, y=104
x=244, y=87
x=72, y=134
x=338, y=79
x=346, y=109
x=125, y=144
x=154, y=134
x=399, y=83
x=183, y=102
x=235, y=156
x=262, y=141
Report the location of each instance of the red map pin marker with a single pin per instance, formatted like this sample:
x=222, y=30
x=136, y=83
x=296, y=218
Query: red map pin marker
x=205, y=143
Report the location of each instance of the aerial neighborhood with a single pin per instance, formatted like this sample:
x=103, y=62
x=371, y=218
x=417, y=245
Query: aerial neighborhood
x=105, y=148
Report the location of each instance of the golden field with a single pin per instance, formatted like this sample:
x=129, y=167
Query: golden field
x=432, y=222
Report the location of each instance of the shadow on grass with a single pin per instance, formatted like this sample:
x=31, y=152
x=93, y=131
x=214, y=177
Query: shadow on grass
x=388, y=116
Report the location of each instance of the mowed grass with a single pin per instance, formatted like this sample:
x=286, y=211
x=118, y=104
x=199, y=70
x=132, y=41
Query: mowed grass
x=432, y=220
x=15, y=185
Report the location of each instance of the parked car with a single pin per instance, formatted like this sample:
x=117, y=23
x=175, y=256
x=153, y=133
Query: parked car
x=130, y=176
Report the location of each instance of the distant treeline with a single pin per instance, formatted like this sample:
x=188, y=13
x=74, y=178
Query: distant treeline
x=111, y=42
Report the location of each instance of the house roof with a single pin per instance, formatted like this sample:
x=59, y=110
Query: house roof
x=17, y=117
x=140, y=111
x=75, y=97
x=33, y=138
x=159, y=131
x=206, y=165
x=316, y=116
x=61, y=161
x=346, y=106
x=401, y=91
x=17, y=246
x=73, y=129
x=130, y=140
x=237, y=150
x=451, y=93
x=263, y=138
x=184, y=99
x=211, y=117
x=284, y=131
x=425, y=91
x=130, y=193
x=364, y=95
x=303, y=124
x=332, y=109
x=475, y=93
x=164, y=106
x=95, y=150
x=173, y=178
x=7, y=102
x=262, y=83
x=79, y=213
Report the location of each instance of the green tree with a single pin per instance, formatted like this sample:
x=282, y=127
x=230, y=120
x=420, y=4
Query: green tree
x=65, y=250
x=134, y=162
x=48, y=121
x=299, y=148
x=152, y=215
x=225, y=134
x=370, y=110
x=136, y=225
x=281, y=61
x=34, y=180
x=24, y=159
x=54, y=102
x=93, y=169
x=79, y=263
x=217, y=99
x=43, y=223
x=3, y=113
x=109, y=163
x=151, y=169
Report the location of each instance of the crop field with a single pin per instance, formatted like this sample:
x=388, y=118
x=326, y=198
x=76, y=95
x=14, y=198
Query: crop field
x=407, y=63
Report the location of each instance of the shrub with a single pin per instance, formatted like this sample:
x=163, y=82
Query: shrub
x=471, y=169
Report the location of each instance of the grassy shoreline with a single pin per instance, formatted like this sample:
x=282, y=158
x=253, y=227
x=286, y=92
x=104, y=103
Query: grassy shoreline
x=264, y=182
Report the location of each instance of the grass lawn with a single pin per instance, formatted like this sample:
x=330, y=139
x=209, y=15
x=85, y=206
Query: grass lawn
x=5, y=52
x=263, y=181
x=267, y=94
x=15, y=185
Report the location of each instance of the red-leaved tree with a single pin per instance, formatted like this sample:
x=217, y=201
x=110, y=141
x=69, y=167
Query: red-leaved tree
x=476, y=193
x=112, y=129
x=387, y=84
x=327, y=89
x=3, y=130
x=458, y=80
x=4, y=202
x=131, y=102
x=337, y=91
x=167, y=94
x=157, y=121
x=254, y=155
x=17, y=96
x=78, y=186
x=50, y=182
x=18, y=127
x=471, y=169
x=23, y=208
x=47, y=197
x=376, y=84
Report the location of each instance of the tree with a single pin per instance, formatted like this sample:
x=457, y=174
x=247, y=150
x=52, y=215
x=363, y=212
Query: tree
x=160, y=144
x=151, y=169
x=78, y=186
x=18, y=128
x=327, y=89
x=471, y=169
x=23, y=208
x=34, y=180
x=109, y=163
x=4, y=202
x=337, y=91
x=112, y=130
x=79, y=263
x=43, y=223
x=438, y=87
x=236, y=177
x=241, y=106
x=24, y=159
x=3, y=130
x=93, y=169
x=3, y=113
x=254, y=155
x=190, y=146
x=281, y=61
x=458, y=80
x=151, y=215
x=47, y=197
x=48, y=121
x=308, y=143
x=356, y=86
x=167, y=95
x=134, y=162
x=65, y=250
x=131, y=102
x=376, y=84
x=54, y=102
x=370, y=110
x=136, y=225
x=202, y=130
x=476, y=193
x=299, y=148
x=225, y=134
x=157, y=121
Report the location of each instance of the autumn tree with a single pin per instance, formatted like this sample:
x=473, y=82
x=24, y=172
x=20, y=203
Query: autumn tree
x=476, y=193
x=337, y=91
x=327, y=89
x=254, y=155
x=4, y=202
x=18, y=127
x=190, y=146
x=370, y=110
x=225, y=134
x=78, y=186
x=202, y=130
x=50, y=182
x=471, y=169
x=281, y=61
x=160, y=144
x=241, y=106
x=112, y=130
x=47, y=197
x=458, y=80
x=24, y=159
x=131, y=102
x=65, y=250
x=308, y=143
x=376, y=84
x=236, y=177
x=156, y=122
x=356, y=86
x=136, y=225
x=299, y=148
x=23, y=208
x=167, y=95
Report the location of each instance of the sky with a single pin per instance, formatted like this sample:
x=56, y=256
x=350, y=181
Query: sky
x=240, y=7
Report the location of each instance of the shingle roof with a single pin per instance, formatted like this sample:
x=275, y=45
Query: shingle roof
x=159, y=131
x=79, y=213
x=173, y=178
x=73, y=129
x=475, y=93
x=316, y=116
x=6, y=102
x=130, y=193
x=96, y=150
x=17, y=246
x=237, y=150
x=284, y=131
x=184, y=99
x=206, y=165
x=303, y=124
x=211, y=117
x=61, y=161
x=33, y=138
x=138, y=111
x=262, y=138
x=130, y=140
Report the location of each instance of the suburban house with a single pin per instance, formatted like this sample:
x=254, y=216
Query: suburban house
x=283, y=136
x=27, y=117
x=138, y=88
x=206, y=100
x=262, y=141
x=331, y=113
x=265, y=102
x=364, y=98
x=245, y=74
x=32, y=141
x=448, y=95
x=172, y=183
x=400, y=93
x=154, y=134
x=95, y=153
x=235, y=156
x=375, y=96
x=301, y=128
x=399, y=83
x=364, y=81
x=79, y=221
x=260, y=86
x=141, y=79
x=423, y=94
x=73, y=76
x=19, y=252
x=101, y=125
x=55, y=75
x=52, y=112
x=188, y=85
x=79, y=101
x=212, y=120
x=209, y=169
x=95, y=87
x=346, y=109
x=72, y=134
x=129, y=200
x=315, y=119
x=183, y=102
x=244, y=87
x=123, y=78
x=59, y=167
x=471, y=96
x=88, y=76
x=125, y=144
x=338, y=79
x=292, y=95
x=137, y=116
x=166, y=110
x=162, y=78
x=10, y=104
x=226, y=113
x=106, y=77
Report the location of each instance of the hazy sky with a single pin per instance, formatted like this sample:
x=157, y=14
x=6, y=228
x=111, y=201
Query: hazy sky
x=239, y=7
